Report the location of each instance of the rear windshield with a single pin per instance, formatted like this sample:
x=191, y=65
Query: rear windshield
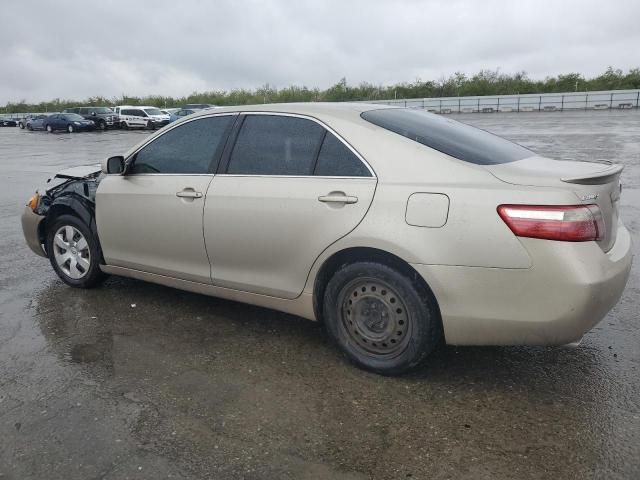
x=456, y=139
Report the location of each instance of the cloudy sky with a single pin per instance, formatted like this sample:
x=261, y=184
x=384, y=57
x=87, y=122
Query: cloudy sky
x=77, y=49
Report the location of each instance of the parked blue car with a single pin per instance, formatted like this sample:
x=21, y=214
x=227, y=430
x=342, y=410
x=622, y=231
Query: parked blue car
x=71, y=122
x=183, y=112
x=35, y=122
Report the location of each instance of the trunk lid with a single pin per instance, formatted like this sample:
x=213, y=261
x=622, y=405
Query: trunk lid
x=592, y=182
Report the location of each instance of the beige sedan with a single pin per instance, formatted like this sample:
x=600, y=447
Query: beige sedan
x=396, y=227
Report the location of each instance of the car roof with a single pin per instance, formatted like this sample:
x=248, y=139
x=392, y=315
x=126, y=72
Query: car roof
x=321, y=110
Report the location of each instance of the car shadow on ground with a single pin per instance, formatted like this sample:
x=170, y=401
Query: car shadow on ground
x=130, y=307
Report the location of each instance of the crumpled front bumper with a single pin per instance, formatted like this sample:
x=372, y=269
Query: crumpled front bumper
x=30, y=228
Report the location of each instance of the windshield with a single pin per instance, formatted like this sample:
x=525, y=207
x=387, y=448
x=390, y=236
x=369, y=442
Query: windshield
x=153, y=111
x=453, y=138
x=102, y=110
x=73, y=116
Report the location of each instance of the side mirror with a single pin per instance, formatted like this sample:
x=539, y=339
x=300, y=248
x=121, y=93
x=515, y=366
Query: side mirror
x=113, y=165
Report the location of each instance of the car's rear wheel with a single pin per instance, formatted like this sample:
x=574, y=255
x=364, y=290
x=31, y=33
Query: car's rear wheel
x=49, y=129
x=74, y=252
x=383, y=320
x=21, y=125
x=70, y=128
x=29, y=127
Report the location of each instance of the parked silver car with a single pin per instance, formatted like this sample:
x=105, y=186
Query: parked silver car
x=394, y=226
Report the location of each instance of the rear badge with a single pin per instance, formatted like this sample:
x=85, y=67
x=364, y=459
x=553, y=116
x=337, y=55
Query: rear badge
x=590, y=196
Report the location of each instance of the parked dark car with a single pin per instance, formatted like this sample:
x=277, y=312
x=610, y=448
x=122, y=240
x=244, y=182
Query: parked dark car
x=35, y=122
x=103, y=117
x=71, y=122
x=7, y=122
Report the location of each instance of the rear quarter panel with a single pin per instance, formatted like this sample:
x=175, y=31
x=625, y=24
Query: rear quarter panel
x=473, y=235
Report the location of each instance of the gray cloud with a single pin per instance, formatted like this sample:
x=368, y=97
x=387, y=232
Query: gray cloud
x=77, y=49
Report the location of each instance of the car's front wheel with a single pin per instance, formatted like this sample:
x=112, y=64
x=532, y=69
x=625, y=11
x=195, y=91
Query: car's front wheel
x=70, y=128
x=382, y=319
x=74, y=252
x=49, y=129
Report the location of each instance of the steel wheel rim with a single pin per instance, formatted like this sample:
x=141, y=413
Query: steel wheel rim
x=71, y=252
x=375, y=317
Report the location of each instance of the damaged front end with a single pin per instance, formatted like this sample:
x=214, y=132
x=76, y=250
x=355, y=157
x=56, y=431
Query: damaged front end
x=73, y=192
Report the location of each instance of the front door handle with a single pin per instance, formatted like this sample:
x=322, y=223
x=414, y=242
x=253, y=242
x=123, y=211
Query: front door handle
x=337, y=198
x=189, y=193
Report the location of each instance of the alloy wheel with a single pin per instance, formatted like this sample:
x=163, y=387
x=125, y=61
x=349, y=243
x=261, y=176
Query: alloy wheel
x=71, y=252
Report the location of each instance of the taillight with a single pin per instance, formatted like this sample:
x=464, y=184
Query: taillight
x=569, y=223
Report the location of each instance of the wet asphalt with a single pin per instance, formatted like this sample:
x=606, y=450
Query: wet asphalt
x=138, y=381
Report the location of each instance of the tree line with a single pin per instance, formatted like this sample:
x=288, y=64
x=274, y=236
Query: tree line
x=485, y=82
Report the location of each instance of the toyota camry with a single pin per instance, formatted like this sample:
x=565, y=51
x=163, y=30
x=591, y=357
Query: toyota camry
x=397, y=228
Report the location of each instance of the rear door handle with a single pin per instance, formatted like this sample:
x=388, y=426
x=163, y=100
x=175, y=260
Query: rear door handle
x=189, y=193
x=336, y=198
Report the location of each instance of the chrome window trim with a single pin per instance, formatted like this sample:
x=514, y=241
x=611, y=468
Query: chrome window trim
x=289, y=176
x=171, y=174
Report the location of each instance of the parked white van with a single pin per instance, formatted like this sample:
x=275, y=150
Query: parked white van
x=141, y=117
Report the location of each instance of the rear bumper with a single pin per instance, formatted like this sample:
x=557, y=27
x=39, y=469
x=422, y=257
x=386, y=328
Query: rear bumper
x=160, y=124
x=568, y=290
x=30, y=229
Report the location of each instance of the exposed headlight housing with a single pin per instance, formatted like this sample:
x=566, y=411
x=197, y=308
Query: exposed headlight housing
x=33, y=202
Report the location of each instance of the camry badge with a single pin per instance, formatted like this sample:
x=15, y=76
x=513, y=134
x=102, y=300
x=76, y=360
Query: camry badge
x=589, y=196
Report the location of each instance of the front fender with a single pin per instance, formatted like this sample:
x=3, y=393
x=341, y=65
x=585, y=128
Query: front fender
x=72, y=204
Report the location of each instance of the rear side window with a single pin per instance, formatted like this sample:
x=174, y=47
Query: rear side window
x=187, y=149
x=453, y=138
x=336, y=160
x=275, y=145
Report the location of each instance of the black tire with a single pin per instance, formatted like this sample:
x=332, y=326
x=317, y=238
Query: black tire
x=102, y=125
x=151, y=125
x=70, y=128
x=393, y=325
x=21, y=125
x=49, y=128
x=124, y=126
x=29, y=127
x=92, y=276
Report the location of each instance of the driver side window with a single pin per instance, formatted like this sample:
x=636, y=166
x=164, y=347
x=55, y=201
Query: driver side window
x=187, y=149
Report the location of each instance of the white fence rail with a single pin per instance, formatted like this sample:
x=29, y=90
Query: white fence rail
x=545, y=102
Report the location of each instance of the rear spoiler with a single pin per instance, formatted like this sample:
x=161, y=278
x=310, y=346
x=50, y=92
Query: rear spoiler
x=596, y=178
